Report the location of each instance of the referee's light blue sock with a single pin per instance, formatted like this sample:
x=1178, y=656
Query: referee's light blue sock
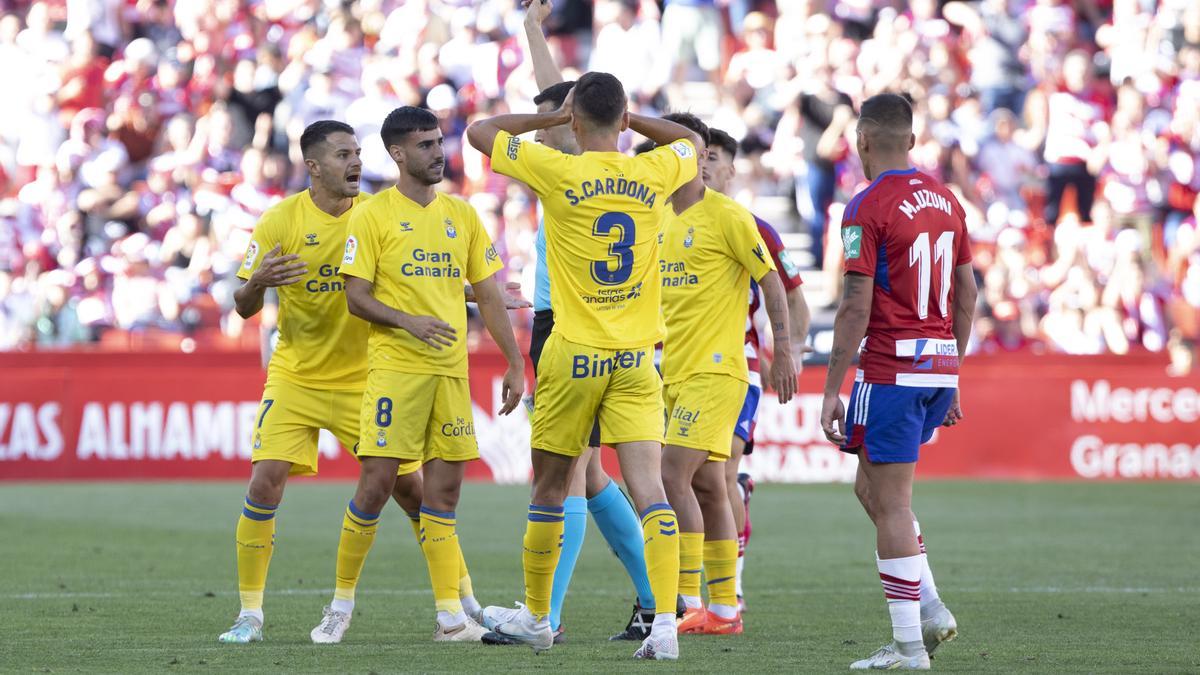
x=622, y=529
x=574, y=529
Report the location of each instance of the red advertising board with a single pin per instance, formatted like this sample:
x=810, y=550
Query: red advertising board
x=189, y=416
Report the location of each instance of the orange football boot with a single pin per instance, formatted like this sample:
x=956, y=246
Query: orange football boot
x=693, y=620
x=715, y=625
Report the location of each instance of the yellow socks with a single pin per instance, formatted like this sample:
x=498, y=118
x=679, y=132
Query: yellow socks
x=691, y=557
x=543, y=544
x=660, y=532
x=255, y=543
x=358, y=534
x=720, y=569
x=439, y=542
x=466, y=592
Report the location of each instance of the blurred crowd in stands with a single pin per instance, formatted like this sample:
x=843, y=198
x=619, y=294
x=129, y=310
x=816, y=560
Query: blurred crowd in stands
x=141, y=139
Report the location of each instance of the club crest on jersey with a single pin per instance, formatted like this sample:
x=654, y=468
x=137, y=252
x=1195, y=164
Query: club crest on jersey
x=406, y=226
x=351, y=250
x=310, y=239
x=689, y=239
x=852, y=241
x=450, y=231
x=381, y=439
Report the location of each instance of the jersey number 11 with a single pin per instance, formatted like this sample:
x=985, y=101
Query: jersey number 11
x=918, y=254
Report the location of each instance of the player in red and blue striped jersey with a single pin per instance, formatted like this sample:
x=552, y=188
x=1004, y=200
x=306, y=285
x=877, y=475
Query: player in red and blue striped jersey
x=910, y=291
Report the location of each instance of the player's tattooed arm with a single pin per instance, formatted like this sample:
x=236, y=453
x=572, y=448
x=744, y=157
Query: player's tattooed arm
x=545, y=70
x=801, y=318
x=361, y=302
x=482, y=133
x=783, y=367
x=495, y=318
x=849, y=327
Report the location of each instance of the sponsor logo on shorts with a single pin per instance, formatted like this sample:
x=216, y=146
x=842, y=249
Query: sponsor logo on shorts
x=351, y=250
x=852, y=241
x=684, y=419
x=583, y=366
x=458, y=428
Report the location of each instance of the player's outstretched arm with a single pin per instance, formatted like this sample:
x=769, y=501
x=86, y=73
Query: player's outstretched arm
x=663, y=132
x=783, y=368
x=482, y=133
x=966, y=293
x=362, y=303
x=275, y=270
x=545, y=70
x=495, y=318
x=849, y=328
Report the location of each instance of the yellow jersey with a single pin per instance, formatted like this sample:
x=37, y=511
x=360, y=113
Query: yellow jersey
x=710, y=253
x=419, y=258
x=603, y=214
x=320, y=344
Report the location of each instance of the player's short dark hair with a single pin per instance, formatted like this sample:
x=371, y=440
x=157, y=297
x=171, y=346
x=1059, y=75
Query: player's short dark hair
x=888, y=118
x=405, y=120
x=644, y=146
x=721, y=139
x=316, y=133
x=554, y=94
x=601, y=98
x=690, y=121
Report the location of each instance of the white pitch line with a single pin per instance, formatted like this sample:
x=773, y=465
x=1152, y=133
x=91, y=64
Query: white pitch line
x=160, y=593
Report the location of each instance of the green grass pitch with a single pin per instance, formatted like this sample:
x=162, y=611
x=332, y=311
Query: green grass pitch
x=1050, y=578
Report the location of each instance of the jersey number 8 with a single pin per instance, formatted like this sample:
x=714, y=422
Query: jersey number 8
x=620, y=249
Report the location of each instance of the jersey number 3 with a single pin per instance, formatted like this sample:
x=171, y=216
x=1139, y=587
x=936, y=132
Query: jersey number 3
x=918, y=255
x=622, y=249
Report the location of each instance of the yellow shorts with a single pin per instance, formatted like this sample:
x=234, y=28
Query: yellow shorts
x=291, y=416
x=577, y=383
x=416, y=418
x=702, y=412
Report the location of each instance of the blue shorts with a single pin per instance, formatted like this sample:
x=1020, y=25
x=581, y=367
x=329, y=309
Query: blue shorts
x=749, y=415
x=890, y=422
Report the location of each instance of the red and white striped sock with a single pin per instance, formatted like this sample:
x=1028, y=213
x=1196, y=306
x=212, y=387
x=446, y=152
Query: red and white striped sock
x=901, y=578
x=929, y=595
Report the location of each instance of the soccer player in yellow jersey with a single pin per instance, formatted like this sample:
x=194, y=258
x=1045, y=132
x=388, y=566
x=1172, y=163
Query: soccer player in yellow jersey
x=318, y=371
x=711, y=250
x=603, y=215
x=408, y=253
